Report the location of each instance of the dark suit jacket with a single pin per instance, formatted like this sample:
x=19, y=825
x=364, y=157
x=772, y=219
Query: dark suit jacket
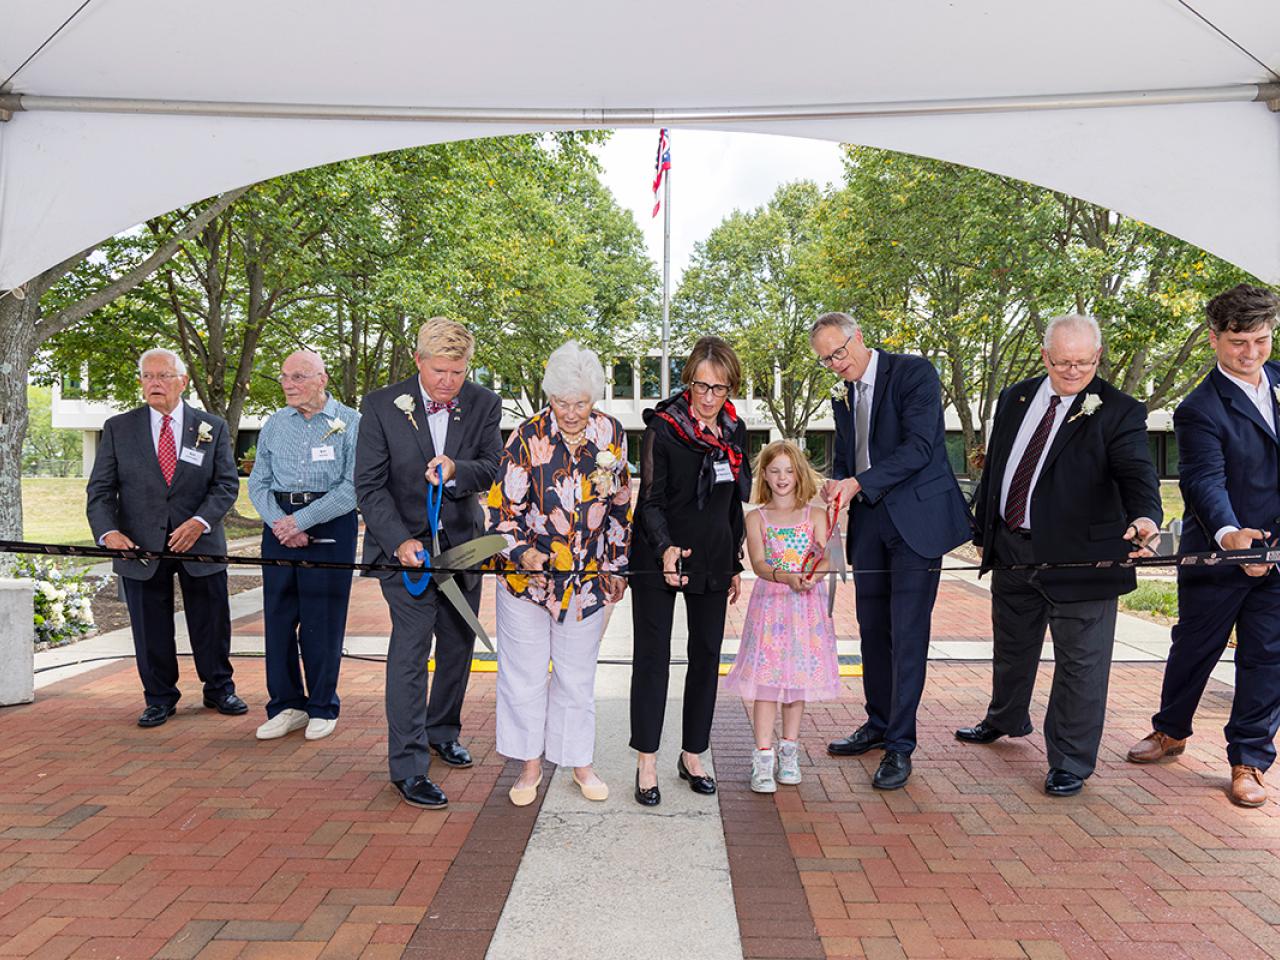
x=1097, y=478
x=1228, y=466
x=127, y=491
x=909, y=471
x=667, y=512
x=391, y=466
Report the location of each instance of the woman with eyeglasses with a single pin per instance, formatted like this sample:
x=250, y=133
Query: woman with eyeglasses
x=694, y=477
x=562, y=500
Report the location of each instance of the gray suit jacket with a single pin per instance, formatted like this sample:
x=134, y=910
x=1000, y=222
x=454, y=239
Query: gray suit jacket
x=391, y=466
x=127, y=491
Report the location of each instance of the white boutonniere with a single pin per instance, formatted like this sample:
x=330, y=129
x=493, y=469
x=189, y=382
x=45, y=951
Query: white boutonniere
x=406, y=404
x=606, y=459
x=603, y=477
x=204, y=432
x=1088, y=407
x=1276, y=390
x=336, y=426
x=840, y=391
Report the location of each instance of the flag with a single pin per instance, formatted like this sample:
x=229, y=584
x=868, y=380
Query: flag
x=660, y=167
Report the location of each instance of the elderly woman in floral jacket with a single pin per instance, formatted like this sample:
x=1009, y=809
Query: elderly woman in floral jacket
x=562, y=499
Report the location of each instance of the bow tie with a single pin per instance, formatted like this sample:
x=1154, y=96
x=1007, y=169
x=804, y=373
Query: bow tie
x=434, y=406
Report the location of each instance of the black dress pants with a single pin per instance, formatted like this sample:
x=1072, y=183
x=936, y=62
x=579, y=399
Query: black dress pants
x=208, y=616
x=652, y=613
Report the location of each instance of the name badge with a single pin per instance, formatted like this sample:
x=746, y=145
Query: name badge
x=321, y=453
x=192, y=456
x=724, y=472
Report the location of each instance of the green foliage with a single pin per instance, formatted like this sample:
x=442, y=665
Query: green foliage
x=45, y=449
x=1153, y=596
x=514, y=236
x=755, y=282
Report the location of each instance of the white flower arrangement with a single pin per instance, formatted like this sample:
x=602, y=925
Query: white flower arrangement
x=337, y=426
x=606, y=459
x=1276, y=390
x=840, y=391
x=1088, y=407
x=63, y=610
x=204, y=432
x=406, y=405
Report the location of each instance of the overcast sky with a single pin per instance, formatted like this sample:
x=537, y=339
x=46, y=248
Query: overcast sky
x=712, y=174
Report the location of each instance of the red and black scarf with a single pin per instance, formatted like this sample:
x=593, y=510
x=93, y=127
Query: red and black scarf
x=675, y=411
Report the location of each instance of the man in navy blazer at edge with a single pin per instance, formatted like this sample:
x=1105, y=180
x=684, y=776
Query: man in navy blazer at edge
x=1229, y=472
x=905, y=511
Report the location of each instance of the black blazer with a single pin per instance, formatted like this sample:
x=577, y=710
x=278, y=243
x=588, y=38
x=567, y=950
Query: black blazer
x=667, y=512
x=127, y=492
x=1097, y=478
x=391, y=468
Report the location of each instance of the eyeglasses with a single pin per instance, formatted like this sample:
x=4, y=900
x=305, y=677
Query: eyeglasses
x=158, y=377
x=715, y=389
x=839, y=353
x=1062, y=366
x=295, y=377
x=575, y=406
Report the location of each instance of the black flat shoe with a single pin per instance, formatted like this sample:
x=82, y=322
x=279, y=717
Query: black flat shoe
x=980, y=732
x=1063, y=783
x=647, y=796
x=704, y=784
x=894, y=771
x=228, y=704
x=421, y=792
x=154, y=716
x=856, y=743
x=453, y=753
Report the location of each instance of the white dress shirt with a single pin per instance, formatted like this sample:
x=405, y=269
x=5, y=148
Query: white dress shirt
x=869, y=378
x=1260, y=397
x=438, y=424
x=1036, y=408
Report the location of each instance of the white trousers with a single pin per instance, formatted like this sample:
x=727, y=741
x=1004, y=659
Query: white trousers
x=539, y=713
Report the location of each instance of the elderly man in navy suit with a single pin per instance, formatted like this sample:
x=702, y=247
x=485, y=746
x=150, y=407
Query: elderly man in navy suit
x=905, y=512
x=1229, y=472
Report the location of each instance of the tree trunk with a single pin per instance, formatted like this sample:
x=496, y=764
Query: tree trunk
x=17, y=347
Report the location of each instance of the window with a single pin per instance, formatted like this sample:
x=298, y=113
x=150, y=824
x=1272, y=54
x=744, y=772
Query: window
x=651, y=378
x=623, y=385
x=1163, y=447
x=482, y=376
x=634, y=438
x=955, y=453
x=817, y=447
x=676, y=365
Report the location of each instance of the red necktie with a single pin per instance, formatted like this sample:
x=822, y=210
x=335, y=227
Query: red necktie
x=1015, y=507
x=165, y=449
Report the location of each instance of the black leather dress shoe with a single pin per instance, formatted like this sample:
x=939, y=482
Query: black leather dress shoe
x=421, y=792
x=1062, y=783
x=453, y=753
x=154, y=716
x=227, y=703
x=894, y=771
x=856, y=743
x=704, y=784
x=647, y=796
x=980, y=732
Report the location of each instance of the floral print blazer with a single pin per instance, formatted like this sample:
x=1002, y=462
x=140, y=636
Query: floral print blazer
x=576, y=510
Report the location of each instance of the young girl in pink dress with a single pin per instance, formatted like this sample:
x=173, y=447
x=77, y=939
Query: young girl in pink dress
x=788, y=650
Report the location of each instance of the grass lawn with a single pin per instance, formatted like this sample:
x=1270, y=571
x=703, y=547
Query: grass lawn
x=53, y=511
x=1153, y=596
x=1171, y=500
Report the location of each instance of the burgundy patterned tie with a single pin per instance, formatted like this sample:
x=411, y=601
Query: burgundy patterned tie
x=165, y=449
x=1015, y=507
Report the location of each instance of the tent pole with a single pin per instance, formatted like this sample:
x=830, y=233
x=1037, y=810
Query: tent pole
x=628, y=117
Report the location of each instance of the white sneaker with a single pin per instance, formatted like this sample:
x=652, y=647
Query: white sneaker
x=284, y=722
x=318, y=728
x=788, y=762
x=762, y=772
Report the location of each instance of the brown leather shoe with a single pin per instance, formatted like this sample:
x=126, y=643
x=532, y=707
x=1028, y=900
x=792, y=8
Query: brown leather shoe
x=1247, y=788
x=1155, y=747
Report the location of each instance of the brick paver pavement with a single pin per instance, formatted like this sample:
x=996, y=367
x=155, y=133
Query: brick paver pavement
x=195, y=840
x=973, y=860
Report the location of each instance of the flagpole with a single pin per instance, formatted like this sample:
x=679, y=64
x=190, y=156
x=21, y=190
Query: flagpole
x=664, y=379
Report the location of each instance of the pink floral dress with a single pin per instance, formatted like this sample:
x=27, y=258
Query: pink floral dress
x=788, y=650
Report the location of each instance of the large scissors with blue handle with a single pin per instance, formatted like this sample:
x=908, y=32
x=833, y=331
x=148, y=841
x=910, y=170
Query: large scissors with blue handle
x=469, y=554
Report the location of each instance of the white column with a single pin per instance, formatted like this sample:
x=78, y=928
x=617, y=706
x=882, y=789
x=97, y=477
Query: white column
x=17, y=642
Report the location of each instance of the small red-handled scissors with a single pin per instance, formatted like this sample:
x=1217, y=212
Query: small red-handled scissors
x=813, y=556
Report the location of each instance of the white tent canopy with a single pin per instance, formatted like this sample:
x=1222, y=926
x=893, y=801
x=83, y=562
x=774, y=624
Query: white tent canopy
x=135, y=107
